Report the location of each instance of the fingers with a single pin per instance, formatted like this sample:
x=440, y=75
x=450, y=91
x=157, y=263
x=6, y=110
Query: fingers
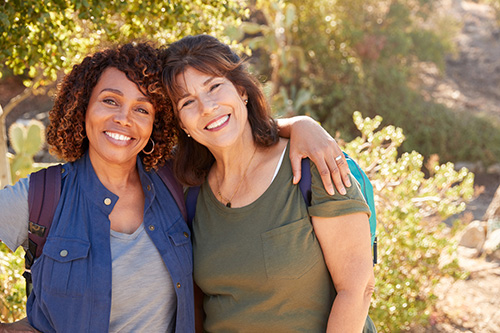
x=343, y=170
x=325, y=169
x=334, y=173
x=296, y=167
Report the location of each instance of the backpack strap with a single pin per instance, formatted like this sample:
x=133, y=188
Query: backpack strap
x=167, y=176
x=305, y=180
x=43, y=196
x=191, y=199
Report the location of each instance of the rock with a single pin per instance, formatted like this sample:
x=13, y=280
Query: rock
x=495, y=168
x=474, y=167
x=493, y=211
x=473, y=236
x=492, y=245
x=468, y=252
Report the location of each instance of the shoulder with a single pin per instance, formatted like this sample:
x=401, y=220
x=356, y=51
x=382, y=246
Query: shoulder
x=323, y=204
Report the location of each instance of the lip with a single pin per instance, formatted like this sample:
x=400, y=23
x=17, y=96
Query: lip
x=219, y=123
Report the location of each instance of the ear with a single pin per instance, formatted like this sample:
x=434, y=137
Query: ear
x=244, y=95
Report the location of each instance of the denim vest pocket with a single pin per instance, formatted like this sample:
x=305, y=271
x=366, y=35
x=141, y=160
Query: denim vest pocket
x=65, y=266
x=291, y=250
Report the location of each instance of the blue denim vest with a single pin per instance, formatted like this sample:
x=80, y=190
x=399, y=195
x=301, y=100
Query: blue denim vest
x=72, y=277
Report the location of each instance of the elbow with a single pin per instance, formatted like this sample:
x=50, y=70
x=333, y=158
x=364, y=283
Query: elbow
x=369, y=289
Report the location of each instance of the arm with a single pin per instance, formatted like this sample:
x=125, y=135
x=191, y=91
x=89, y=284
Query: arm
x=19, y=326
x=345, y=242
x=309, y=139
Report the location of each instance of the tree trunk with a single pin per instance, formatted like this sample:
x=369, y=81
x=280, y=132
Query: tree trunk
x=4, y=162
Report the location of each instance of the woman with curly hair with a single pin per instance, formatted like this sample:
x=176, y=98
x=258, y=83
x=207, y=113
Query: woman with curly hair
x=118, y=255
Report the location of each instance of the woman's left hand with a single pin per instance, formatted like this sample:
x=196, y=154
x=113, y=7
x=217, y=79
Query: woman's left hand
x=309, y=139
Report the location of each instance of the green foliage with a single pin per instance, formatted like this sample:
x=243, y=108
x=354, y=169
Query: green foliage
x=27, y=139
x=414, y=252
x=326, y=58
x=39, y=38
x=12, y=285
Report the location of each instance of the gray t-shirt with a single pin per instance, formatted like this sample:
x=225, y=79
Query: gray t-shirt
x=143, y=297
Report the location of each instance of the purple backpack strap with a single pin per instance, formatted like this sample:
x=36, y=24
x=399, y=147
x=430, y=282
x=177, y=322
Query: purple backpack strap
x=43, y=197
x=166, y=174
x=305, y=180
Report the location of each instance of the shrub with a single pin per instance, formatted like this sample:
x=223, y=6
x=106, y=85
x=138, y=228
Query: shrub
x=12, y=285
x=411, y=237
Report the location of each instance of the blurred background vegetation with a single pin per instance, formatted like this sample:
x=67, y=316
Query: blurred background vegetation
x=323, y=58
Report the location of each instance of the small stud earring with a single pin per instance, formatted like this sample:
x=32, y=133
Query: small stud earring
x=245, y=101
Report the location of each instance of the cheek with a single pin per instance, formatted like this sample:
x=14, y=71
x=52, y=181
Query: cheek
x=186, y=120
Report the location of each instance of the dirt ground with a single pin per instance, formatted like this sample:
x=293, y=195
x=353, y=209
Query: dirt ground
x=471, y=84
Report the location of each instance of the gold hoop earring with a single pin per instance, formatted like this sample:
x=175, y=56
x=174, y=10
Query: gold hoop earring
x=152, y=148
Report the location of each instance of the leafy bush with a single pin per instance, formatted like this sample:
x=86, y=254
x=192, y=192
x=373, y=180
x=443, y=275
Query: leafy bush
x=12, y=285
x=413, y=243
x=327, y=58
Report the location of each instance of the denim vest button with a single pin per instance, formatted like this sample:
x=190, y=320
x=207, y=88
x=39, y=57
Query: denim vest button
x=178, y=285
x=107, y=201
x=63, y=253
x=149, y=187
x=152, y=227
x=186, y=234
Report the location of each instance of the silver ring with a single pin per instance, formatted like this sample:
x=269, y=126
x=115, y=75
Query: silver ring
x=338, y=158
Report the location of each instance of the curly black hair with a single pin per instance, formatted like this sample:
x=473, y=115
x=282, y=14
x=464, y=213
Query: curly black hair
x=140, y=62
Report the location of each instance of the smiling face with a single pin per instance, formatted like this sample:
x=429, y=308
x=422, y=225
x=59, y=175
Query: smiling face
x=119, y=120
x=211, y=110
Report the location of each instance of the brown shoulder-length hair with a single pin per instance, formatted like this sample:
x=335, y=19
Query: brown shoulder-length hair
x=192, y=161
x=141, y=64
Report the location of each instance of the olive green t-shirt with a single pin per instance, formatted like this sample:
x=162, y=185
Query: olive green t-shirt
x=261, y=266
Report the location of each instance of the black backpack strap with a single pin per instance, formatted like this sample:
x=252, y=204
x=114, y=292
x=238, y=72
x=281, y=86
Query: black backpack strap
x=175, y=188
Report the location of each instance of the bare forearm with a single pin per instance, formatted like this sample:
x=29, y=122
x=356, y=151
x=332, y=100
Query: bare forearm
x=349, y=312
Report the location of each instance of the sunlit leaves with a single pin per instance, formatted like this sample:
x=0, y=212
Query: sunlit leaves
x=410, y=245
x=39, y=38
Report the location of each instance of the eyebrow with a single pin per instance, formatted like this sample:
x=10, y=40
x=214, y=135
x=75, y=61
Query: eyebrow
x=210, y=79
x=118, y=92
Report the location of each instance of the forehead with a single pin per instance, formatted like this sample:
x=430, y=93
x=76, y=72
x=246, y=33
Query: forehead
x=116, y=80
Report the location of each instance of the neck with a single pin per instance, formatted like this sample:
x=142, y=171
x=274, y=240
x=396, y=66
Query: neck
x=233, y=160
x=114, y=176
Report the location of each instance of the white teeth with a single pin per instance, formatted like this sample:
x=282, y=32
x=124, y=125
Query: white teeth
x=117, y=136
x=218, y=122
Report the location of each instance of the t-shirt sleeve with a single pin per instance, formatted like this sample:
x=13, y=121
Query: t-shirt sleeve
x=14, y=214
x=325, y=205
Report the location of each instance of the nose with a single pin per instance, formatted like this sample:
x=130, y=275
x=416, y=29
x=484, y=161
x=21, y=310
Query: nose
x=208, y=105
x=122, y=116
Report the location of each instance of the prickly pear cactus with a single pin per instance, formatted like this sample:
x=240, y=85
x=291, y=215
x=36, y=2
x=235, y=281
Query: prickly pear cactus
x=27, y=139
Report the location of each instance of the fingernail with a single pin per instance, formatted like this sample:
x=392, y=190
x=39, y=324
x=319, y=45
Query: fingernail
x=348, y=183
x=294, y=179
x=343, y=191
